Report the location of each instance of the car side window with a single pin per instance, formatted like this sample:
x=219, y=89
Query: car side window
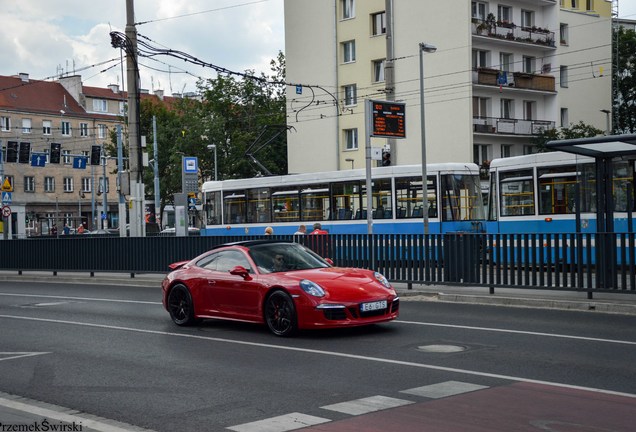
x=227, y=260
x=209, y=262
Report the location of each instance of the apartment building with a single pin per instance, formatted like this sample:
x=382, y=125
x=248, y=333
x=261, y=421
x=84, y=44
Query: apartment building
x=500, y=73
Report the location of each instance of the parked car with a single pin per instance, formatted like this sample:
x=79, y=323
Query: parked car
x=282, y=284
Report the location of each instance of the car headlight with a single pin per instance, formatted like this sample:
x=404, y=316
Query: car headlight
x=312, y=288
x=384, y=281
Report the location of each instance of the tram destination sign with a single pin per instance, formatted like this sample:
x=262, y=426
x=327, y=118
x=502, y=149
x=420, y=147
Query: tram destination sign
x=388, y=119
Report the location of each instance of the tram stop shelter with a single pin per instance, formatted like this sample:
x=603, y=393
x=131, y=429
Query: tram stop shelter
x=604, y=149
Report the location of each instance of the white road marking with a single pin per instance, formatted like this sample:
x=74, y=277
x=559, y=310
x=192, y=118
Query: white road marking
x=64, y=415
x=367, y=405
x=282, y=423
x=444, y=389
x=490, y=329
x=321, y=352
x=78, y=298
x=15, y=355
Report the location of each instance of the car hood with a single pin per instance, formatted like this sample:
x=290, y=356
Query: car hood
x=343, y=283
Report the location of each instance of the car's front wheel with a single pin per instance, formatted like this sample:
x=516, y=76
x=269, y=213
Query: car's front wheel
x=180, y=306
x=280, y=314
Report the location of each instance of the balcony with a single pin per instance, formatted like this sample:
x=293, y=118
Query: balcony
x=519, y=80
x=505, y=126
x=510, y=32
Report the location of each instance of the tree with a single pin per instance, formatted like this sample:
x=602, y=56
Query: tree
x=578, y=130
x=624, y=81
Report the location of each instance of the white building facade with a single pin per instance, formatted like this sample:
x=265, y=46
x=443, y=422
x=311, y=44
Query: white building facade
x=502, y=72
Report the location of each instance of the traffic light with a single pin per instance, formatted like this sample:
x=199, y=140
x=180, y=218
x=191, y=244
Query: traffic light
x=56, y=150
x=12, y=151
x=96, y=155
x=24, y=154
x=386, y=158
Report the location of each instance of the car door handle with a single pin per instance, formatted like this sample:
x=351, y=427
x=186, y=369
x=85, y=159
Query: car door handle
x=211, y=282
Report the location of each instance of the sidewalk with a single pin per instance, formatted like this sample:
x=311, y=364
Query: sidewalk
x=619, y=303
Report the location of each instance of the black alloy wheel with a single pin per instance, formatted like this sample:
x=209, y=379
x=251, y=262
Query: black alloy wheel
x=180, y=306
x=280, y=314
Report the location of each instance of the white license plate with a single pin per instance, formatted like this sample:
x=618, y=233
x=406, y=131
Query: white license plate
x=371, y=306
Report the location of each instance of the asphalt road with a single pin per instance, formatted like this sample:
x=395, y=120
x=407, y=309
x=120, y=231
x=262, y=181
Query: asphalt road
x=112, y=352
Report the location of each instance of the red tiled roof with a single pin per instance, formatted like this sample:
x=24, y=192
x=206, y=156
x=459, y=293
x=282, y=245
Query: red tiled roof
x=37, y=96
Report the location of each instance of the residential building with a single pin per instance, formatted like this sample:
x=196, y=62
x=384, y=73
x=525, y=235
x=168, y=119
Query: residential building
x=49, y=134
x=501, y=73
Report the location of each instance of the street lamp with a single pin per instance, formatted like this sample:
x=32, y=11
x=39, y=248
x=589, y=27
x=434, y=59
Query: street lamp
x=213, y=147
x=350, y=160
x=429, y=49
x=607, y=120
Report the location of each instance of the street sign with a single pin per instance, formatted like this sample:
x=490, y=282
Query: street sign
x=7, y=197
x=6, y=211
x=192, y=203
x=7, y=186
x=38, y=159
x=190, y=165
x=79, y=162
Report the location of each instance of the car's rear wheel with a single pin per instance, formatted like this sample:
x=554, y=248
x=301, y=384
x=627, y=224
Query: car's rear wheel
x=180, y=306
x=280, y=314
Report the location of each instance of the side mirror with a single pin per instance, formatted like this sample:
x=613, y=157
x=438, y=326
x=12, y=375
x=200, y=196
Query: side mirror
x=329, y=261
x=241, y=271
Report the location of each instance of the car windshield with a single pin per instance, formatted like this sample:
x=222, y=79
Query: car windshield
x=278, y=257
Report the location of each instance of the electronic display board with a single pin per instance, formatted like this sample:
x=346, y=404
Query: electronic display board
x=388, y=119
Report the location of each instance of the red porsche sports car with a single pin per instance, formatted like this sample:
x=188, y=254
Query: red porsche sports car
x=282, y=284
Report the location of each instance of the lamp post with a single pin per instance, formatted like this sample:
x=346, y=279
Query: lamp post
x=607, y=120
x=350, y=160
x=213, y=147
x=429, y=49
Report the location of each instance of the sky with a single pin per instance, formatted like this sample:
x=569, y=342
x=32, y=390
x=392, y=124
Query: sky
x=44, y=38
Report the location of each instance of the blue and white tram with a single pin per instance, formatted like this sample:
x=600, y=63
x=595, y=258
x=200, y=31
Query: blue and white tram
x=537, y=194
x=338, y=201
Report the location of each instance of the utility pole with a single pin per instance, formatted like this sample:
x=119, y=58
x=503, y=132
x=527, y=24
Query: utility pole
x=156, y=173
x=134, y=143
x=389, y=70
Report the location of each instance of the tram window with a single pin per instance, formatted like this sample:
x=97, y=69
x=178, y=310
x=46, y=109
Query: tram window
x=461, y=198
x=258, y=205
x=557, y=187
x=345, y=200
x=623, y=176
x=213, y=208
x=286, y=205
x=517, y=193
x=408, y=196
x=315, y=202
x=235, y=205
x=382, y=200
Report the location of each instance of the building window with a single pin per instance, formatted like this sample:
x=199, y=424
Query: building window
x=505, y=60
x=349, y=51
x=479, y=10
x=66, y=154
x=351, y=139
x=348, y=9
x=68, y=184
x=49, y=184
x=529, y=110
x=86, y=184
x=480, y=59
x=102, y=131
x=506, y=150
x=480, y=153
x=378, y=70
x=589, y=5
x=378, y=23
x=563, y=33
x=480, y=107
x=46, y=127
x=527, y=18
x=5, y=124
x=350, y=95
x=29, y=184
x=504, y=14
x=563, y=76
x=507, y=111
x=565, y=121
x=528, y=64
x=528, y=149
x=100, y=105
x=122, y=108
x=26, y=126
x=66, y=128
x=83, y=129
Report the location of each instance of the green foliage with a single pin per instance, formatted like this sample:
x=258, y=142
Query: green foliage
x=578, y=130
x=624, y=82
